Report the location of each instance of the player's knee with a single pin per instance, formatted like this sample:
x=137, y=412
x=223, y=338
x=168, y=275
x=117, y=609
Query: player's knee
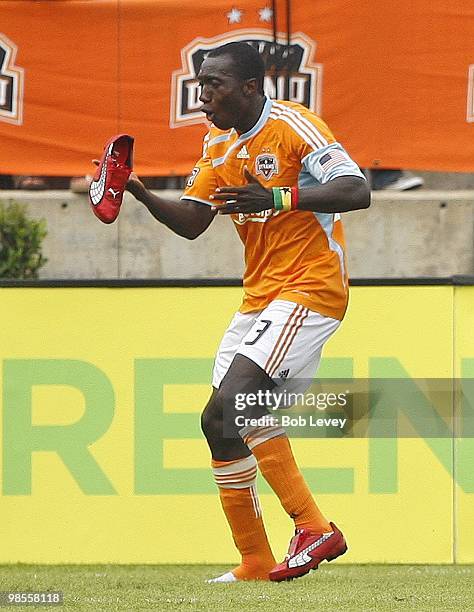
x=206, y=423
x=211, y=419
x=222, y=437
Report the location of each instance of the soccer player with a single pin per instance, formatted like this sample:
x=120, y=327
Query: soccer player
x=276, y=168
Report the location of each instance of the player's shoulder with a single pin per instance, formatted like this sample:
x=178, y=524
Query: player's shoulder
x=296, y=118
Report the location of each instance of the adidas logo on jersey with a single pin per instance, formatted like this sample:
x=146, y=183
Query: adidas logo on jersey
x=283, y=374
x=243, y=153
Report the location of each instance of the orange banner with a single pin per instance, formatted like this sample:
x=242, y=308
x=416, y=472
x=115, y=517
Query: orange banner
x=395, y=81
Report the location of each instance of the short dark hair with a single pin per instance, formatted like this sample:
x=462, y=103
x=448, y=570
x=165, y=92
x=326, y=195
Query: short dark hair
x=246, y=60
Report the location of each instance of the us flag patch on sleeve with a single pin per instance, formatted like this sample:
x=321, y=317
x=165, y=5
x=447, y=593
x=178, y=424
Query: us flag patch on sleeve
x=329, y=160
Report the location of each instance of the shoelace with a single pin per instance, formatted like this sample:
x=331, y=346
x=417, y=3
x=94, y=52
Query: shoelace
x=118, y=165
x=293, y=544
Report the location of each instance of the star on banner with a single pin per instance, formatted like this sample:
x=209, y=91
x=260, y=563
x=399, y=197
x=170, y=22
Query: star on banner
x=234, y=15
x=266, y=13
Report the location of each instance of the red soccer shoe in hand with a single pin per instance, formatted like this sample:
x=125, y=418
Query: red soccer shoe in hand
x=107, y=186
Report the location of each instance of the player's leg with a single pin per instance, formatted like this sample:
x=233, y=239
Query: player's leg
x=235, y=470
x=218, y=420
x=291, y=345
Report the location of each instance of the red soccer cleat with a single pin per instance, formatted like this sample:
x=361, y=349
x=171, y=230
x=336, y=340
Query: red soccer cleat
x=307, y=550
x=107, y=186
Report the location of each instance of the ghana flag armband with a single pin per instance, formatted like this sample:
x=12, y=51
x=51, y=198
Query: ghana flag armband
x=285, y=198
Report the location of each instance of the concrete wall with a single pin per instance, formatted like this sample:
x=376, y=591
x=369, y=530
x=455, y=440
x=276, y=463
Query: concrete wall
x=421, y=233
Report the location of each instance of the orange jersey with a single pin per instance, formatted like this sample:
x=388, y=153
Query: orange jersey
x=297, y=255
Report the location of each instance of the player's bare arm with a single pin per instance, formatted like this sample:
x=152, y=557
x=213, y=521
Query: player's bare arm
x=186, y=218
x=342, y=194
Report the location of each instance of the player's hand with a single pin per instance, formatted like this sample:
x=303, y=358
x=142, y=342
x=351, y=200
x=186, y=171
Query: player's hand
x=134, y=184
x=250, y=198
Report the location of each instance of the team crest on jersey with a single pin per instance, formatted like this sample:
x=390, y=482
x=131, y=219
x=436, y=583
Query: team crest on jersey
x=11, y=83
x=266, y=164
x=303, y=85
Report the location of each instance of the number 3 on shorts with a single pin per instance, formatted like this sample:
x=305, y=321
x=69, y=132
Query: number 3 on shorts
x=260, y=328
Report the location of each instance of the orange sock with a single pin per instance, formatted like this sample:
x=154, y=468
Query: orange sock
x=278, y=466
x=236, y=482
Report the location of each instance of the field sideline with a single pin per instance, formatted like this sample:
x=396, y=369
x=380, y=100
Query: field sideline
x=170, y=587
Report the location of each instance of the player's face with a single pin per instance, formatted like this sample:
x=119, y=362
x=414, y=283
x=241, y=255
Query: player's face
x=222, y=93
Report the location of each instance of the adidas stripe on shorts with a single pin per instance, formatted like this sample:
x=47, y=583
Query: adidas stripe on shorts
x=285, y=339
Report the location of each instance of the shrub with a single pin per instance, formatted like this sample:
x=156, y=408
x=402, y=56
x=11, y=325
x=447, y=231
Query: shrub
x=20, y=242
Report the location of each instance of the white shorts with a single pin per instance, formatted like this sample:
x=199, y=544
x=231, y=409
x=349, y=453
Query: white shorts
x=285, y=340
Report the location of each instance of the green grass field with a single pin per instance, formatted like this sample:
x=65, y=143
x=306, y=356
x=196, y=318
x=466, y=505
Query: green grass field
x=333, y=587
